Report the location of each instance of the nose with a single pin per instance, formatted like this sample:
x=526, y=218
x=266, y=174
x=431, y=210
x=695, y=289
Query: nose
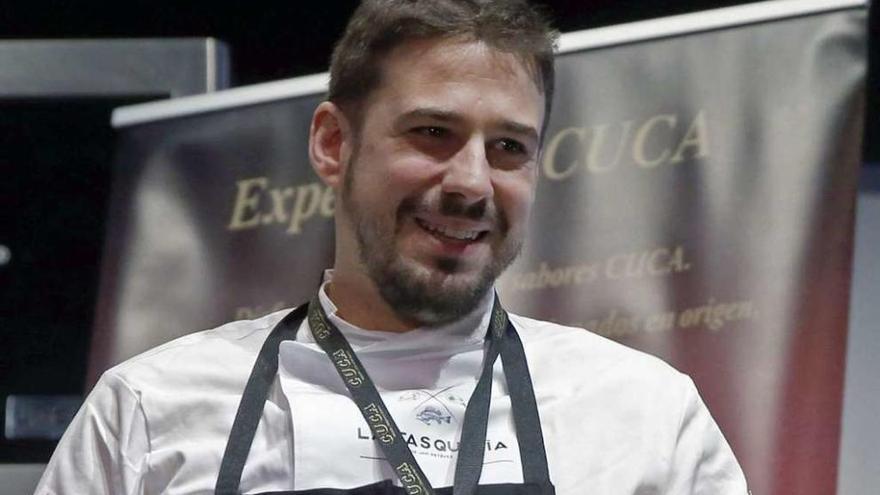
x=469, y=173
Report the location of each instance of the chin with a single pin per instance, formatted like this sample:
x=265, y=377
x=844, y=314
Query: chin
x=431, y=295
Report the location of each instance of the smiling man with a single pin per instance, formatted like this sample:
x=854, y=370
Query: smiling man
x=436, y=174
x=404, y=374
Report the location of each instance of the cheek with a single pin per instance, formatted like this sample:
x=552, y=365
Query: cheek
x=414, y=179
x=514, y=195
x=382, y=192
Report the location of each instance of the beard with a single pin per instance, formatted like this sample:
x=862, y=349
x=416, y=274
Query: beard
x=426, y=294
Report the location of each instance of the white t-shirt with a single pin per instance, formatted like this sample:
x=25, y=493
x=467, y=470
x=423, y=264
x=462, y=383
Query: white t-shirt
x=615, y=421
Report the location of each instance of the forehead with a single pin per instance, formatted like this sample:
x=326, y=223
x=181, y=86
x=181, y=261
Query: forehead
x=462, y=76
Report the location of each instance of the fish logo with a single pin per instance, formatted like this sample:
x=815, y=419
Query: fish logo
x=431, y=414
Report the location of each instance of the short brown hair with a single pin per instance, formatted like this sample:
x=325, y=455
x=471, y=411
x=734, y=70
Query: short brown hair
x=377, y=26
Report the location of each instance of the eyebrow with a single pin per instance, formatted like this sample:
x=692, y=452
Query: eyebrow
x=449, y=116
x=518, y=128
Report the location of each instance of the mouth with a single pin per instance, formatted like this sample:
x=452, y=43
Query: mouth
x=447, y=233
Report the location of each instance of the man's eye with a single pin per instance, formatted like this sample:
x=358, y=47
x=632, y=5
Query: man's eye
x=432, y=131
x=511, y=146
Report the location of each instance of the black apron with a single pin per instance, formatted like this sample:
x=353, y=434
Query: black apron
x=502, y=339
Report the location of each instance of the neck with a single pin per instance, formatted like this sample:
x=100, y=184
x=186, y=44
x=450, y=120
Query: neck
x=359, y=303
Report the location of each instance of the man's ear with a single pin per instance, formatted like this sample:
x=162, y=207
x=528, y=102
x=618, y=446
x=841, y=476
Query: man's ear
x=330, y=143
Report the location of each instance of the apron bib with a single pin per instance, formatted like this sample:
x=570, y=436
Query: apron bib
x=502, y=340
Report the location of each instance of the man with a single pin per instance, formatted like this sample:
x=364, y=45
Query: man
x=404, y=375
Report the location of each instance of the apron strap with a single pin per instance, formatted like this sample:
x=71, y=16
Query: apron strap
x=250, y=409
x=469, y=464
x=526, y=421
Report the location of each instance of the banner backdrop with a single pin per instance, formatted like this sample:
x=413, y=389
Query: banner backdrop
x=695, y=201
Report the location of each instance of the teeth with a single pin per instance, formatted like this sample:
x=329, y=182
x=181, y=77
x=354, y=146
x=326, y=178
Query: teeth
x=461, y=235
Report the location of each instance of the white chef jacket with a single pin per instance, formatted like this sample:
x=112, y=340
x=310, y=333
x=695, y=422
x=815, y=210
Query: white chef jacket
x=615, y=421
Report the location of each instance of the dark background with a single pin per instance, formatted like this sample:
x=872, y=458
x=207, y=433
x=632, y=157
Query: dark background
x=54, y=184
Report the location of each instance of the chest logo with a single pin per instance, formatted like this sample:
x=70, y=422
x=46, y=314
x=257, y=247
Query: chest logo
x=431, y=415
x=433, y=408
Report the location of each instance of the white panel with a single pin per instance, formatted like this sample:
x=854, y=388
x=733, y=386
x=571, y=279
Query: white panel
x=700, y=21
x=20, y=479
x=860, y=456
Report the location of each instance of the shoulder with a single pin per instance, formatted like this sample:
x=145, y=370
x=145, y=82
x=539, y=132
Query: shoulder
x=225, y=351
x=623, y=413
x=172, y=402
x=571, y=351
